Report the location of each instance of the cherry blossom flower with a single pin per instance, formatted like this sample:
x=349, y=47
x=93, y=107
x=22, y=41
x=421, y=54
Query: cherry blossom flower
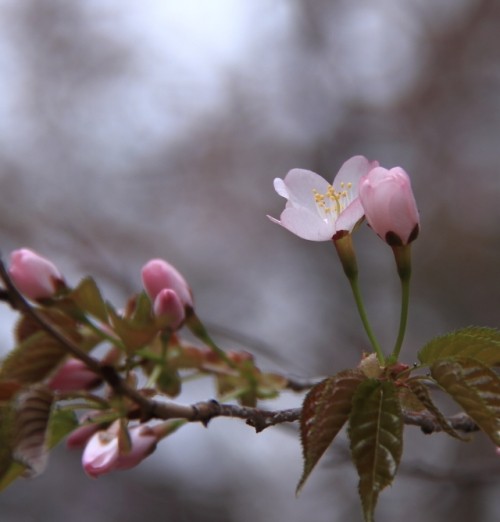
x=316, y=210
x=34, y=276
x=157, y=275
x=102, y=452
x=389, y=205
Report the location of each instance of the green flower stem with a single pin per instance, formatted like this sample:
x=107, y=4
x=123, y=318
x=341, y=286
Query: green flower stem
x=402, y=255
x=345, y=250
x=364, y=319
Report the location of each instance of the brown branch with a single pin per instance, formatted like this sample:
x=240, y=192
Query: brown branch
x=106, y=372
x=427, y=423
x=148, y=408
x=298, y=384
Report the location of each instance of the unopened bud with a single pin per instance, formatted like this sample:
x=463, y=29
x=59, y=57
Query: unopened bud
x=158, y=275
x=168, y=307
x=74, y=375
x=389, y=205
x=34, y=276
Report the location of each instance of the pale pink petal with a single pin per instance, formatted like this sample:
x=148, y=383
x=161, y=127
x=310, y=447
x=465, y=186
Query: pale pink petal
x=352, y=171
x=143, y=442
x=316, y=210
x=280, y=188
x=100, y=455
x=300, y=184
x=349, y=217
x=305, y=224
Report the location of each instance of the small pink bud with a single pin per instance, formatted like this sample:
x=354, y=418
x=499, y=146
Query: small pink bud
x=389, y=205
x=168, y=306
x=102, y=453
x=144, y=441
x=81, y=435
x=74, y=375
x=34, y=276
x=157, y=275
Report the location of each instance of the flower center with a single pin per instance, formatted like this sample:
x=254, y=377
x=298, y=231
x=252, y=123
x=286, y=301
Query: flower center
x=332, y=203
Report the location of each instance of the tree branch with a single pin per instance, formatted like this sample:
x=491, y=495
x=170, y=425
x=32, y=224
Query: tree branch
x=425, y=420
x=203, y=412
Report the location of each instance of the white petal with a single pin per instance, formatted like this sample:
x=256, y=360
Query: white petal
x=280, y=187
x=351, y=172
x=350, y=216
x=300, y=184
x=306, y=225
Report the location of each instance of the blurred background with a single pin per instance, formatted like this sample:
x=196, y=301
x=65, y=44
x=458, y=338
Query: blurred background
x=131, y=130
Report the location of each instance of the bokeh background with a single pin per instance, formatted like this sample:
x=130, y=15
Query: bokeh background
x=130, y=130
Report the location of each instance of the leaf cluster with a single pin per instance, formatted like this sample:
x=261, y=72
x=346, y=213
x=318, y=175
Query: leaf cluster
x=373, y=404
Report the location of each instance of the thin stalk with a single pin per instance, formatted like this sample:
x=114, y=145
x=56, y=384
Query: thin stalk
x=402, y=255
x=347, y=255
x=364, y=319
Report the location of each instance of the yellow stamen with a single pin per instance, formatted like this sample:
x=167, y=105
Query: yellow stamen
x=333, y=202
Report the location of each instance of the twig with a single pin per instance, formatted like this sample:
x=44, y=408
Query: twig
x=106, y=372
x=202, y=411
x=298, y=384
x=425, y=420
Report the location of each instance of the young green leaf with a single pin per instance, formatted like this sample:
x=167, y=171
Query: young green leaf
x=325, y=410
x=476, y=388
x=33, y=359
x=376, y=436
x=61, y=422
x=6, y=435
x=482, y=344
x=421, y=392
x=88, y=298
x=32, y=418
x=28, y=326
x=136, y=331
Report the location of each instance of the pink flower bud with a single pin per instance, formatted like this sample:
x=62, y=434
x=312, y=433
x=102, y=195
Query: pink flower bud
x=74, y=375
x=33, y=275
x=168, y=306
x=144, y=442
x=389, y=205
x=157, y=275
x=102, y=453
x=81, y=435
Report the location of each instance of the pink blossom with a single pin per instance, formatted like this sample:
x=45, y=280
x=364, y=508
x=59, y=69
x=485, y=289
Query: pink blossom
x=389, y=205
x=102, y=453
x=34, y=276
x=157, y=275
x=74, y=375
x=316, y=210
x=168, y=306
